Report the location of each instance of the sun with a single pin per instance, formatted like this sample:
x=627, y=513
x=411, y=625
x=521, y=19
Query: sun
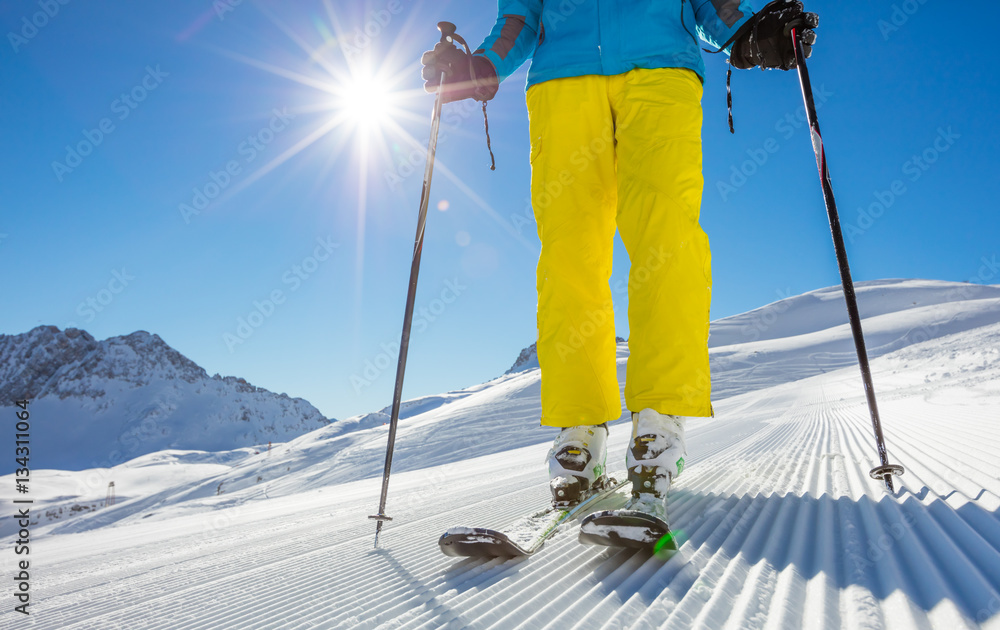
x=365, y=101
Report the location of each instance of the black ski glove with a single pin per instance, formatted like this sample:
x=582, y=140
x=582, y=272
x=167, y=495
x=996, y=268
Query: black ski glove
x=458, y=67
x=765, y=40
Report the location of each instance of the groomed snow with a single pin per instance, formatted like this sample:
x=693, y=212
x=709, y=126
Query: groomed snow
x=780, y=525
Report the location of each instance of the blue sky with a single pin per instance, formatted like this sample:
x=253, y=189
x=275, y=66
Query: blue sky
x=117, y=118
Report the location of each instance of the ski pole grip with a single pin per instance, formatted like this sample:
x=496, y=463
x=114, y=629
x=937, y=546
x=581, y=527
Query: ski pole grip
x=447, y=31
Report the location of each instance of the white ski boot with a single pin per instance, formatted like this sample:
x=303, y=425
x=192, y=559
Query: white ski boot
x=577, y=463
x=654, y=460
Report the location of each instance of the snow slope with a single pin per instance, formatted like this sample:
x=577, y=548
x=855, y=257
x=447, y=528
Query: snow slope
x=782, y=526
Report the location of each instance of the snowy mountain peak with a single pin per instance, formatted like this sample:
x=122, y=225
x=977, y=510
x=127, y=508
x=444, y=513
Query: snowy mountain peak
x=528, y=358
x=107, y=401
x=150, y=352
x=29, y=361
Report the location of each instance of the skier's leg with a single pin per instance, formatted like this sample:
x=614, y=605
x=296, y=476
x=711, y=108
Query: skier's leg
x=658, y=128
x=573, y=192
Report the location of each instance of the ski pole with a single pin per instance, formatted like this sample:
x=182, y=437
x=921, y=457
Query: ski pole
x=886, y=470
x=447, y=34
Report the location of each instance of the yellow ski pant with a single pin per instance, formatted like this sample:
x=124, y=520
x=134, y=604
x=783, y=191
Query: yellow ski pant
x=623, y=151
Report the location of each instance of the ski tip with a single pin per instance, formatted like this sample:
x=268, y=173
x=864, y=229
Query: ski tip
x=475, y=542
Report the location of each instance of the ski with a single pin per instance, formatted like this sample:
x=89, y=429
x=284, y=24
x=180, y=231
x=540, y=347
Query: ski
x=627, y=528
x=525, y=537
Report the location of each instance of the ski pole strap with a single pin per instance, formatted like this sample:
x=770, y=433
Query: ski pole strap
x=729, y=73
x=729, y=79
x=480, y=94
x=486, y=123
x=729, y=95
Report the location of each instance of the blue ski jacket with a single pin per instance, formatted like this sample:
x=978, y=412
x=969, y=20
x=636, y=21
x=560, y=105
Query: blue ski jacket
x=569, y=38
